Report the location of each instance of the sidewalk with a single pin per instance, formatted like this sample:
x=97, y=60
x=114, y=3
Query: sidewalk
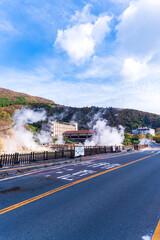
x=11, y=171
x=7, y=172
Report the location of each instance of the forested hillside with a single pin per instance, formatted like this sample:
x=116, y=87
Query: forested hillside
x=86, y=116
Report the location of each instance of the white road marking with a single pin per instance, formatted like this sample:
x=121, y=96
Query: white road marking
x=146, y=237
x=66, y=177
x=47, y=175
x=81, y=173
x=86, y=163
x=59, y=172
x=111, y=166
x=69, y=169
x=103, y=165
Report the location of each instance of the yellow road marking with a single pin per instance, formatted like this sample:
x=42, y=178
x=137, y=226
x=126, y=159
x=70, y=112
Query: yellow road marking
x=7, y=209
x=156, y=235
x=52, y=168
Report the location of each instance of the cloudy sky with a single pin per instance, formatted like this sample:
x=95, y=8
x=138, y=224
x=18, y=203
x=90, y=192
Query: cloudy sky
x=83, y=53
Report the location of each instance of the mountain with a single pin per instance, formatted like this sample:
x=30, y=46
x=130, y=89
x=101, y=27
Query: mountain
x=85, y=116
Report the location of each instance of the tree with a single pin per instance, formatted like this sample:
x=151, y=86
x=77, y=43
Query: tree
x=148, y=135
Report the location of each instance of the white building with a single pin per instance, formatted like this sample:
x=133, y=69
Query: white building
x=144, y=130
x=57, y=129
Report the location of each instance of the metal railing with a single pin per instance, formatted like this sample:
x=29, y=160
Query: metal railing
x=26, y=158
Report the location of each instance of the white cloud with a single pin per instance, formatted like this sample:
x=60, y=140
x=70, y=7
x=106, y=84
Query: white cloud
x=80, y=40
x=121, y=1
x=102, y=68
x=134, y=70
x=142, y=96
x=5, y=24
x=138, y=30
x=84, y=16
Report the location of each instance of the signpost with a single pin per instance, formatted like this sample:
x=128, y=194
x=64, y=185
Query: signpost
x=79, y=151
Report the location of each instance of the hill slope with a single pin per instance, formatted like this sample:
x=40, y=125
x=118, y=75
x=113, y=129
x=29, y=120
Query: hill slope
x=86, y=116
x=11, y=100
x=14, y=96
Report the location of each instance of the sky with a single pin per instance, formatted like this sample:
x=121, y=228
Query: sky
x=83, y=53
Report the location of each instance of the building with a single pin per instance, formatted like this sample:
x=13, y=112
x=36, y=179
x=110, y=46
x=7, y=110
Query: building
x=144, y=130
x=57, y=129
x=78, y=136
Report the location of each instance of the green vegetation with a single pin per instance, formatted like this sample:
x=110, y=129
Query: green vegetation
x=156, y=138
x=68, y=141
x=131, y=140
x=128, y=118
x=127, y=139
x=5, y=117
x=149, y=136
x=31, y=128
x=158, y=132
x=4, y=102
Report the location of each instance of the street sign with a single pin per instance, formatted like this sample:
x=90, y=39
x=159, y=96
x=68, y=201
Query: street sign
x=79, y=151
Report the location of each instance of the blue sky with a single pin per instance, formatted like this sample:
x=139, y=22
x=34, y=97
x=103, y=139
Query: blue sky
x=83, y=53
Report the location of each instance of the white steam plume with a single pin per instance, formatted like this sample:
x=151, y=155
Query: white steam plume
x=21, y=138
x=60, y=141
x=144, y=141
x=44, y=137
x=105, y=135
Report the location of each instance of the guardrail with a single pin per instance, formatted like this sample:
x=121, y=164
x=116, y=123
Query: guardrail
x=26, y=158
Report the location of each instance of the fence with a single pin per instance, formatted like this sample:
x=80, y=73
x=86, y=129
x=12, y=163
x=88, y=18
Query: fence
x=19, y=158
x=135, y=147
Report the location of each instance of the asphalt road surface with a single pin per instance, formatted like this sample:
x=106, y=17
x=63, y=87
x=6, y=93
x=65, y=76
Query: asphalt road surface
x=105, y=197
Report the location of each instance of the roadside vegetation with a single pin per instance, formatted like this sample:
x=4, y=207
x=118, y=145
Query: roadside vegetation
x=132, y=139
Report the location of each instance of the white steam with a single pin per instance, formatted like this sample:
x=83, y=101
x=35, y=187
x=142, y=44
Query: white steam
x=23, y=139
x=60, y=141
x=27, y=116
x=144, y=141
x=105, y=135
x=44, y=137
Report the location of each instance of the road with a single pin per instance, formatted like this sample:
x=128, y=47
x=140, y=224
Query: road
x=105, y=197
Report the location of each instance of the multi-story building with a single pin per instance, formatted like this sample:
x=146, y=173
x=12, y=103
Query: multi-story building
x=144, y=130
x=57, y=129
x=78, y=136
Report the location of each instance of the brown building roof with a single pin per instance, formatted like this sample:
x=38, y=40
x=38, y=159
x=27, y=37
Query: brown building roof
x=80, y=131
